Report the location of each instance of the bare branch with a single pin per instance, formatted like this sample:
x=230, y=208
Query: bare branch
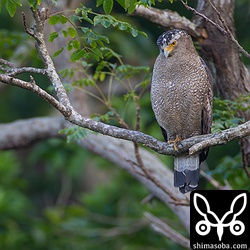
x=11, y=70
x=215, y=183
x=36, y=89
x=167, y=18
x=222, y=137
x=162, y=228
x=49, y=65
x=130, y=135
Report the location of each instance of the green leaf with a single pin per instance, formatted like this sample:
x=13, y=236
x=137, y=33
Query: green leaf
x=134, y=32
x=108, y=6
x=54, y=20
x=53, y=36
x=99, y=3
x=65, y=33
x=78, y=54
x=33, y=4
x=102, y=76
x=63, y=19
x=72, y=32
x=73, y=44
x=11, y=6
x=131, y=7
x=106, y=23
x=75, y=133
x=122, y=3
x=122, y=26
x=97, y=20
x=84, y=82
x=58, y=52
x=97, y=52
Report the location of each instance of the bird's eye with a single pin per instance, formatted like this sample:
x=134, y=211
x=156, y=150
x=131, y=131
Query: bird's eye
x=174, y=43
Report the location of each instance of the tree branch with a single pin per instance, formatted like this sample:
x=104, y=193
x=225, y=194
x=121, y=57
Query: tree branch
x=131, y=135
x=162, y=228
x=21, y=133
x=35, y=89
x=222, y=137
x=168, y=18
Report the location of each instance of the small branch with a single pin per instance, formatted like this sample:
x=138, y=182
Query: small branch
x=11, y=70
x=215, y=183
x=226, y=32
x=37, y=33
x=161, y=227
x=167, y=18
x=222, y=137
x=4, y=62
x=35, y=89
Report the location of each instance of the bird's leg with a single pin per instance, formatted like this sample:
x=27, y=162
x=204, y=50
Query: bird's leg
x=175, y=142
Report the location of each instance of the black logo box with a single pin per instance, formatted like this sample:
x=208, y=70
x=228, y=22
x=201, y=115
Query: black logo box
x=220, y=203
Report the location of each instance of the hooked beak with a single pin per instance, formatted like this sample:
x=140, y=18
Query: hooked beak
x=166, y=52
x=169, y=48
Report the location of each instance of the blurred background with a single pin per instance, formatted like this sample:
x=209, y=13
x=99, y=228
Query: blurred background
x=56, y=195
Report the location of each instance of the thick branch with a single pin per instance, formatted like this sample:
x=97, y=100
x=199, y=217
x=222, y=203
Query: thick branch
x=21, y=133
x=167, y=18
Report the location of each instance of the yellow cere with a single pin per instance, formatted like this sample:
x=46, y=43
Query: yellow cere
x=170, y=47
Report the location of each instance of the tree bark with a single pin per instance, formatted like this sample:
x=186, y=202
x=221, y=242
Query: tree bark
x=230, y=75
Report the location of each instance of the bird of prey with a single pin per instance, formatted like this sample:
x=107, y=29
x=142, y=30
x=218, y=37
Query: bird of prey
x=181, y=96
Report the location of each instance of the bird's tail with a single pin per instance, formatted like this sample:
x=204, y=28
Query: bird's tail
x=186, y=172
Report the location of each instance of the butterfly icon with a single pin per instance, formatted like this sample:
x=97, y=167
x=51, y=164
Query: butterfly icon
x=236, y=227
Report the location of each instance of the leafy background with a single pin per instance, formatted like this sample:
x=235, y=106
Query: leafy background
x=54, y=194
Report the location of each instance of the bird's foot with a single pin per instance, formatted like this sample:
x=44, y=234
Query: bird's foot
x=175, y=142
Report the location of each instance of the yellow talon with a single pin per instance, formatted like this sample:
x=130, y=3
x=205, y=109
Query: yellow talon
x=175, y=142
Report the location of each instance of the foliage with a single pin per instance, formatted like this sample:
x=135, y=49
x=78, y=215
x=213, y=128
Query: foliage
x=225, y=114
x=229, y=170
x=74, y=133
x=33, y=218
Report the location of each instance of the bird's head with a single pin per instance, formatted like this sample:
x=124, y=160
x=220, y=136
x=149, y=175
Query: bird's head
x=169, y=41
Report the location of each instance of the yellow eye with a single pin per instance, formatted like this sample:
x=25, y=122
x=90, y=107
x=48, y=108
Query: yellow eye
x=173, y=43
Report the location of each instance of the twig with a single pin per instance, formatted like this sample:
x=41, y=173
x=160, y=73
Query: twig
x=11, y=70
x=148, y=199
x=226, y=32
x=215, y=183
x=161, y=227
x=36, y=89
